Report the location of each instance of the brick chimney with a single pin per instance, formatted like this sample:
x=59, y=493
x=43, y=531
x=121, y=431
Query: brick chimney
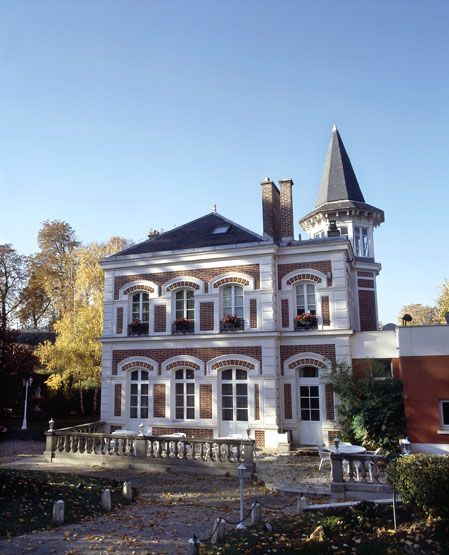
x=271, y=210
x=287, y=226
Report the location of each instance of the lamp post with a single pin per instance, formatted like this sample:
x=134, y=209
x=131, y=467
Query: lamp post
x=27, y=383
x=336, y=443
x=405, y=446
x=241, y=468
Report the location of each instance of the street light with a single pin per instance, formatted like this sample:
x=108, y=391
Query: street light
x=241, y=468
x=27, y=383
x=405, y=446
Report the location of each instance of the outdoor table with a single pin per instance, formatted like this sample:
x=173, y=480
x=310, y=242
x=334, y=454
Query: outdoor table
x=348, y=449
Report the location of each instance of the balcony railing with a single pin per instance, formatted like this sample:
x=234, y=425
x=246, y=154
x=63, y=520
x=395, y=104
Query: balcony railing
x=138, y=329
x=229, y=327
x=302, y=325
x=179, y=328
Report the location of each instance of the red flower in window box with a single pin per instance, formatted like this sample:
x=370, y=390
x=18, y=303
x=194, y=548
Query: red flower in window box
x=306, y=318
x=180, y=322
x=230, y=319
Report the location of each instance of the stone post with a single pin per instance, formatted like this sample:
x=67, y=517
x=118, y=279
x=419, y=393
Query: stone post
x=140, y=447
x=219, y=531
x=337, y=467
x=256, y=515
x=194, y=546
x=127, y=490
x=58, y=512
x=250, y=448
x=300, y=506
x=50, y=444
x=106, y=499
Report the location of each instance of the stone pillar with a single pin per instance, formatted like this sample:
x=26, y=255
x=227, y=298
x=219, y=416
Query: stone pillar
x=58, y=512
x=300, y=506
x=219, y=531
x=127, y=490
x=106, y=500
x=256, y=515
x=140, y=447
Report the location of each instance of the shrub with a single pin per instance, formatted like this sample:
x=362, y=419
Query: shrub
x=422, y=480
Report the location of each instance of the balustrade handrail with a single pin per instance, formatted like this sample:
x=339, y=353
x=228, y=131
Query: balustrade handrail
x=74, y=428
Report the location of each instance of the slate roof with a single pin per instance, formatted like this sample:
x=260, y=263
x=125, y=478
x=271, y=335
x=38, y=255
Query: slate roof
x=196, y=234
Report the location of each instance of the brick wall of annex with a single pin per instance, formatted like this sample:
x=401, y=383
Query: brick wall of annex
x=205, y=274
x=205, y=400
x=323, y=266
x=257, y=402
x=285, y=313
x=160, y=318
x=253, y=313
x=325, y=311
x=203, y=353
x=367, y=310
x=118, y=399
x=206, y=316
x=288, y=412
x=327, y=350
x=119, y=321
x=199, y=433
x=159, y=400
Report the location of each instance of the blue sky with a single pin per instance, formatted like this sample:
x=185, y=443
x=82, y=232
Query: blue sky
x=121, y=117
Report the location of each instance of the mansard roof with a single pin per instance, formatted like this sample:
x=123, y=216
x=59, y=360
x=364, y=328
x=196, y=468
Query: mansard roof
x=196, y=234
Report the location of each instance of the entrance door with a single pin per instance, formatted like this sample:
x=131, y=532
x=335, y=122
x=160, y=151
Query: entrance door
x=234, y=402
x=138, y=399
x=309, y=403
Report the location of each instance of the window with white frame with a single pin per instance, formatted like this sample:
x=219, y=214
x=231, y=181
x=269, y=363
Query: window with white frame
x=138, y=400
x=319, y=235
x=185, y=304
x=234, y=395
x=361, y=243
x=305, y=298
x=233, y=300
x=184, y=394
x=140, y=307
x=444, y=414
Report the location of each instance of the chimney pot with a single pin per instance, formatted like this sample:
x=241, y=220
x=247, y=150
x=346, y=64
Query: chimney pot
x=287, y=225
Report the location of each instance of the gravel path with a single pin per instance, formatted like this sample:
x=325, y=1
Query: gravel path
x=170, y=509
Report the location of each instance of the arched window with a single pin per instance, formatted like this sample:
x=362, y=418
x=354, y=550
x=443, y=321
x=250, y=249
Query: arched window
x=233, y=300
x=305, y=298
x=141, y=307
x=139, y=388
x=185, y=394
x=234, y=395
x=185, y=304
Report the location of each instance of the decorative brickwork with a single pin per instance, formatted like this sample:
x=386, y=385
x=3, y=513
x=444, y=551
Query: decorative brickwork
x=288, y=411
x=205, y=274
x=301, y=277
x=182, y=364
x=365, y=283
x=160, y=318
x=306, y=361
x=129, y=290
x=325, y=311
x=327, y=350
x=206, y=316
x=365, y=274
x=253, y=313
x=257, y=402
x=259, y=435
x=199, y=433
x=179, y=284
x=231, y=280
x=159, y=400
x=285, y=317
x=271, y=210
x=324, y=267
x=205, y=400
x=118, y=399
x=287, y=226
x=119, y=321
x=367, y=310
x=137, y=364
x=203, y=353
x=329, y=402
x=241, y=363
x=113, y=428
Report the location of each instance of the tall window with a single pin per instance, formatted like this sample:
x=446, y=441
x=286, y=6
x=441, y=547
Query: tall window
x=139, y=387
x=185, y=304
x=305, y=298
x=184, y=394
x=361, y=246
x=309, y=398
x=234, y=395
x=141, y=307
x=233, y=300
x=444, y=414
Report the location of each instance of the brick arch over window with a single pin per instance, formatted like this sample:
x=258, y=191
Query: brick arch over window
x=303, y=277
x=323, y=267
x=137, y=364
x=138, y=288
x=240, y=363
x=182, y=284
x=224, y=281
x=306, y=362
x=182, y=364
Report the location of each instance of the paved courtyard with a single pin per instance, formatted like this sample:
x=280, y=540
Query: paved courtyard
x=170, y=508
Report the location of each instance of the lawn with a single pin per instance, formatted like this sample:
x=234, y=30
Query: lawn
x=27, y=497
x=365, y=529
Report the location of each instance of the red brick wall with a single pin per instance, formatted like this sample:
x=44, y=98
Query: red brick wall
x=206, y=401
x=286, y=208
x=365, y=283
x=365, y=274
x=257, y=401
x=205, y=274
x=159, y=400
x=259, y=436
x=426, y=381
x=323, y=266
x=118, y=399
x=119, y=321
x=284, y=313
x=332, y=434
x=253, y=313
x=160, y=318
x=330, y=413
x=367, y=310
x=203, y=353
x=206, y=316
x=325, y=311
x=288, y=412
x=205, y=433
x=271, y=210
x=326, y=350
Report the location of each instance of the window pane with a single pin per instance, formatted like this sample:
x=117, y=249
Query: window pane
x=241, y=374
x=445, y=411
x=144, y=389
x=304, y=391
x=144, y=401
x=315, y=403
x=227, y=414
x=226, y=375
x=242, y=415
x=190, y=374
x=133, y=412
x=133, y=400
x=227, y=402
x=241, y=389
x=144, y=375
x=134, y=389
x=135, y=375
x=315, y=415
x=190, y=413
x=227, y=294
x=314, y=391
x=179, y=374
x=179, y=413
x=305, y=415
x=179, y=389
x=305, y=403
x=242, y=402
x=144, y=413
x=239, y=312
x=190, y=388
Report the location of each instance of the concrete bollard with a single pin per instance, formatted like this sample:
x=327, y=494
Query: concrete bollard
x=58, y=512
x=127, y=490
x=219, y=531
x=194, y=546
x=106, y=499
x=302, y=503
x=256, y=514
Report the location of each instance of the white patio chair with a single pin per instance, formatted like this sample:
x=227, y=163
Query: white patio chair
x=325, y=456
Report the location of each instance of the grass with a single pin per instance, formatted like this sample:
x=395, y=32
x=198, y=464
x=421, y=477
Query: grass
x=27, y=497
x=365, y=529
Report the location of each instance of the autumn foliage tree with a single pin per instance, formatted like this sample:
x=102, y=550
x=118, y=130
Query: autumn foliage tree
x=12, y=281
x=442, y=303
x=422, y=315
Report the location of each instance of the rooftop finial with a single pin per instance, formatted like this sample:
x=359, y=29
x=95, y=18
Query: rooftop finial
x=214, y=208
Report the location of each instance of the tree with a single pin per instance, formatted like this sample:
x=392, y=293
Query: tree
x=422, y=315
x=443, y=301
x=12, y=281
x=35, y=304
x=75, y=357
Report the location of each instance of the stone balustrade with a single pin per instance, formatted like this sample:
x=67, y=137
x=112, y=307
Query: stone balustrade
x=190, y=454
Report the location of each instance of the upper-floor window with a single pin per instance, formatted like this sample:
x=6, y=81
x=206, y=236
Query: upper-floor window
x=185, y=304
x=184, y=394
x=361, y=243
x=444, y=414
x=319, y=235
x=233, y=300
x=305, y=298
x=141, y=307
